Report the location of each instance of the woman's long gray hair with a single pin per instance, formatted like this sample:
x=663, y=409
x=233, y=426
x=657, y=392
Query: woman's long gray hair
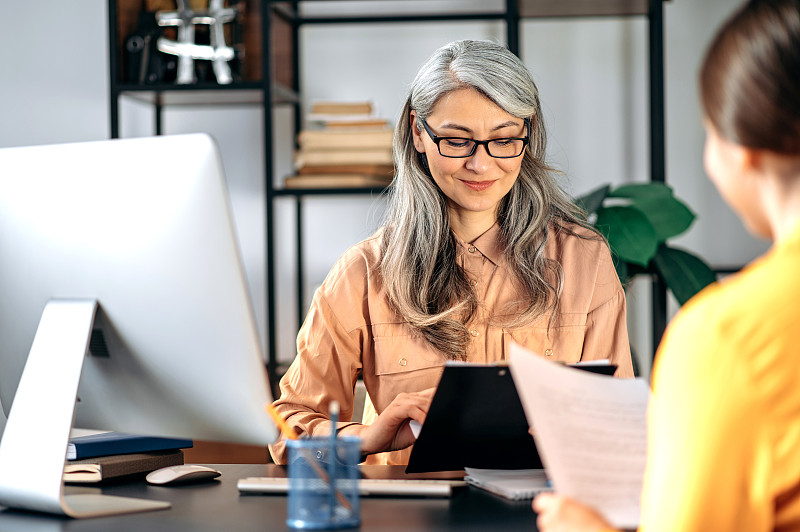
x=422, y=278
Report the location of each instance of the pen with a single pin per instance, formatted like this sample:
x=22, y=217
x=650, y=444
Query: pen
x=333, y=412
x=289, y=433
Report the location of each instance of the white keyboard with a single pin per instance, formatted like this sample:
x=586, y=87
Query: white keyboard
x=367, y=486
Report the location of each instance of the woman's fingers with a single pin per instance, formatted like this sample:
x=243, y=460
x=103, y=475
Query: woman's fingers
x=391, y=430
x=556, y=513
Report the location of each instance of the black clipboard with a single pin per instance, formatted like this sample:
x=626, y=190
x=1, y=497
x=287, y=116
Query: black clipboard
x=476, y=420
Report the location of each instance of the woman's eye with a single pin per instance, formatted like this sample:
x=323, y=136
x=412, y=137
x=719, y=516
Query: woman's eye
x=502, y=142
x=457, y=143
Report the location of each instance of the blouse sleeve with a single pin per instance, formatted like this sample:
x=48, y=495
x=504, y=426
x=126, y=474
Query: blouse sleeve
x=606, y=320
x=325, y=369
x=607, y=335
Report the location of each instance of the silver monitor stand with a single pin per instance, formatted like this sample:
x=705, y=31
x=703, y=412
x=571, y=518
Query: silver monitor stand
x=34, y=444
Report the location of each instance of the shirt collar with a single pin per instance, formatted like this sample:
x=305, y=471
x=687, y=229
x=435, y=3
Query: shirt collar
x=488, y=244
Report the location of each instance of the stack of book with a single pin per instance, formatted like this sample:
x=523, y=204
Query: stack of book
x=104, y=456
x=345, y=145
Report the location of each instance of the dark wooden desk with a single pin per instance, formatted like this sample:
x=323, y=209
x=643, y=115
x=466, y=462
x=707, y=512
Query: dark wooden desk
x=217, y=506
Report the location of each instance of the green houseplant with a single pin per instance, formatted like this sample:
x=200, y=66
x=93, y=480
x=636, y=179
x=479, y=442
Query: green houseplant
x=637, y=220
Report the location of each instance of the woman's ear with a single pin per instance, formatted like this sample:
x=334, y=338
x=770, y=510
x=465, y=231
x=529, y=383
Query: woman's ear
x=416, y=134
x=752, y=160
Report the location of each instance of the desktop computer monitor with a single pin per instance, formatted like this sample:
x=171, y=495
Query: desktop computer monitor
x=123, y=306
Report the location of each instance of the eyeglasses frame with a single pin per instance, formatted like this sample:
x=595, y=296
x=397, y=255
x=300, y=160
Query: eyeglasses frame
x=485, y=143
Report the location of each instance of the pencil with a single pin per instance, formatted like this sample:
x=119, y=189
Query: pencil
x=284, y=427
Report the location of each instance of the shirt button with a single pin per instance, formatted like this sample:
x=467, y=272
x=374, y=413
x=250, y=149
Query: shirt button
x=471, y=249
x=473, y=283
x=474, y=332
x=402, y=361
x=548, y=352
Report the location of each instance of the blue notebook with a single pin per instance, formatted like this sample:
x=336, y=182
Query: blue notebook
x=108, y=443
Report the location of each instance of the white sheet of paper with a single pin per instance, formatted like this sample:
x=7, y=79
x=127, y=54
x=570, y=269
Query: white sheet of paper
x=416, y=427
x=590, y=431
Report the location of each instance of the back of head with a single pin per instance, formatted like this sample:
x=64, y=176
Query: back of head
x=750, y=77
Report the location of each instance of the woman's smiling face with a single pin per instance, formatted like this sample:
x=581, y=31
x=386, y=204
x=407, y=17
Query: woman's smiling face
x=477, y=183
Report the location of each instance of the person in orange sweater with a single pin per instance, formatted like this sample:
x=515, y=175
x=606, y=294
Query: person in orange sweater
x=724, y=418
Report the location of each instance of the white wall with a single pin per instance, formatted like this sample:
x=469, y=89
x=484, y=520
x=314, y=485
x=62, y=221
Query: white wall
x=718, y=234
x=592, y=75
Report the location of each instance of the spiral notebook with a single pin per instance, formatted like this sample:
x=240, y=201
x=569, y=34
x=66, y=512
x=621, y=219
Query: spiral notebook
x=514, y=484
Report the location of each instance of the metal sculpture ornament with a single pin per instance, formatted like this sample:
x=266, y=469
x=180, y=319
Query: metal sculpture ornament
x=187, y=50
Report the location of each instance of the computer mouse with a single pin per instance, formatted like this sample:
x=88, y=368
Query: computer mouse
x=181, y=474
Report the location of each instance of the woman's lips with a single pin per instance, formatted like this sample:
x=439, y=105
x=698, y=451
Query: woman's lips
x=478, y=185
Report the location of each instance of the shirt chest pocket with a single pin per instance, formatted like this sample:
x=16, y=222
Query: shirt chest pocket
x=563, y=343
x=404, y=361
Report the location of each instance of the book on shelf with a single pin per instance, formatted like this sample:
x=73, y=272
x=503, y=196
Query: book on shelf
x=108, y=443
x=335, y=181
x=377, y=170
x=345, y=115
x=336, y=139
x=341, y=108
x=361, y=149
x=98, y=469
x=353, y=123
x=343, y=157
x=513, y=484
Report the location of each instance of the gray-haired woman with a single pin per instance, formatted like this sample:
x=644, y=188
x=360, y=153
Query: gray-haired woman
x=480, y=247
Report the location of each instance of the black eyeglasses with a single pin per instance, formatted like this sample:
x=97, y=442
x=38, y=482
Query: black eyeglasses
x=459, y=147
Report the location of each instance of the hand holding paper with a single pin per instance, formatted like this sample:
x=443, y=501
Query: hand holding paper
x=590, y=430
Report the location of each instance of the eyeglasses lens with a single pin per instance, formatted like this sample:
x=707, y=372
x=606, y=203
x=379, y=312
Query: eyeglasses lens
x=496, y=148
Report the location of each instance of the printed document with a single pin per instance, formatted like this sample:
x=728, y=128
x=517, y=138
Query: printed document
x=590, y=431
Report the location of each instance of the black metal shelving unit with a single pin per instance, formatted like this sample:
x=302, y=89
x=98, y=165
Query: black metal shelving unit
x=264, y=92
x=267, y=92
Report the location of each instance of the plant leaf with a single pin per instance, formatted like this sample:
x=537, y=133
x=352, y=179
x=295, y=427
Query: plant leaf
x=592, y=201
x=669, y=215
x=630, y=234
x=685, y=274
x=641, y=190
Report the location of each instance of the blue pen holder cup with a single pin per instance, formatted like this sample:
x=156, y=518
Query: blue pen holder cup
x=314, y=501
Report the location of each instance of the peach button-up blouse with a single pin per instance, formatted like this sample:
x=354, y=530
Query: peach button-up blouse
x=351, y=328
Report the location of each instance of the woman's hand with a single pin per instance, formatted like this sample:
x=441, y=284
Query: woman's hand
x=391, y=431
x=561, y=514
